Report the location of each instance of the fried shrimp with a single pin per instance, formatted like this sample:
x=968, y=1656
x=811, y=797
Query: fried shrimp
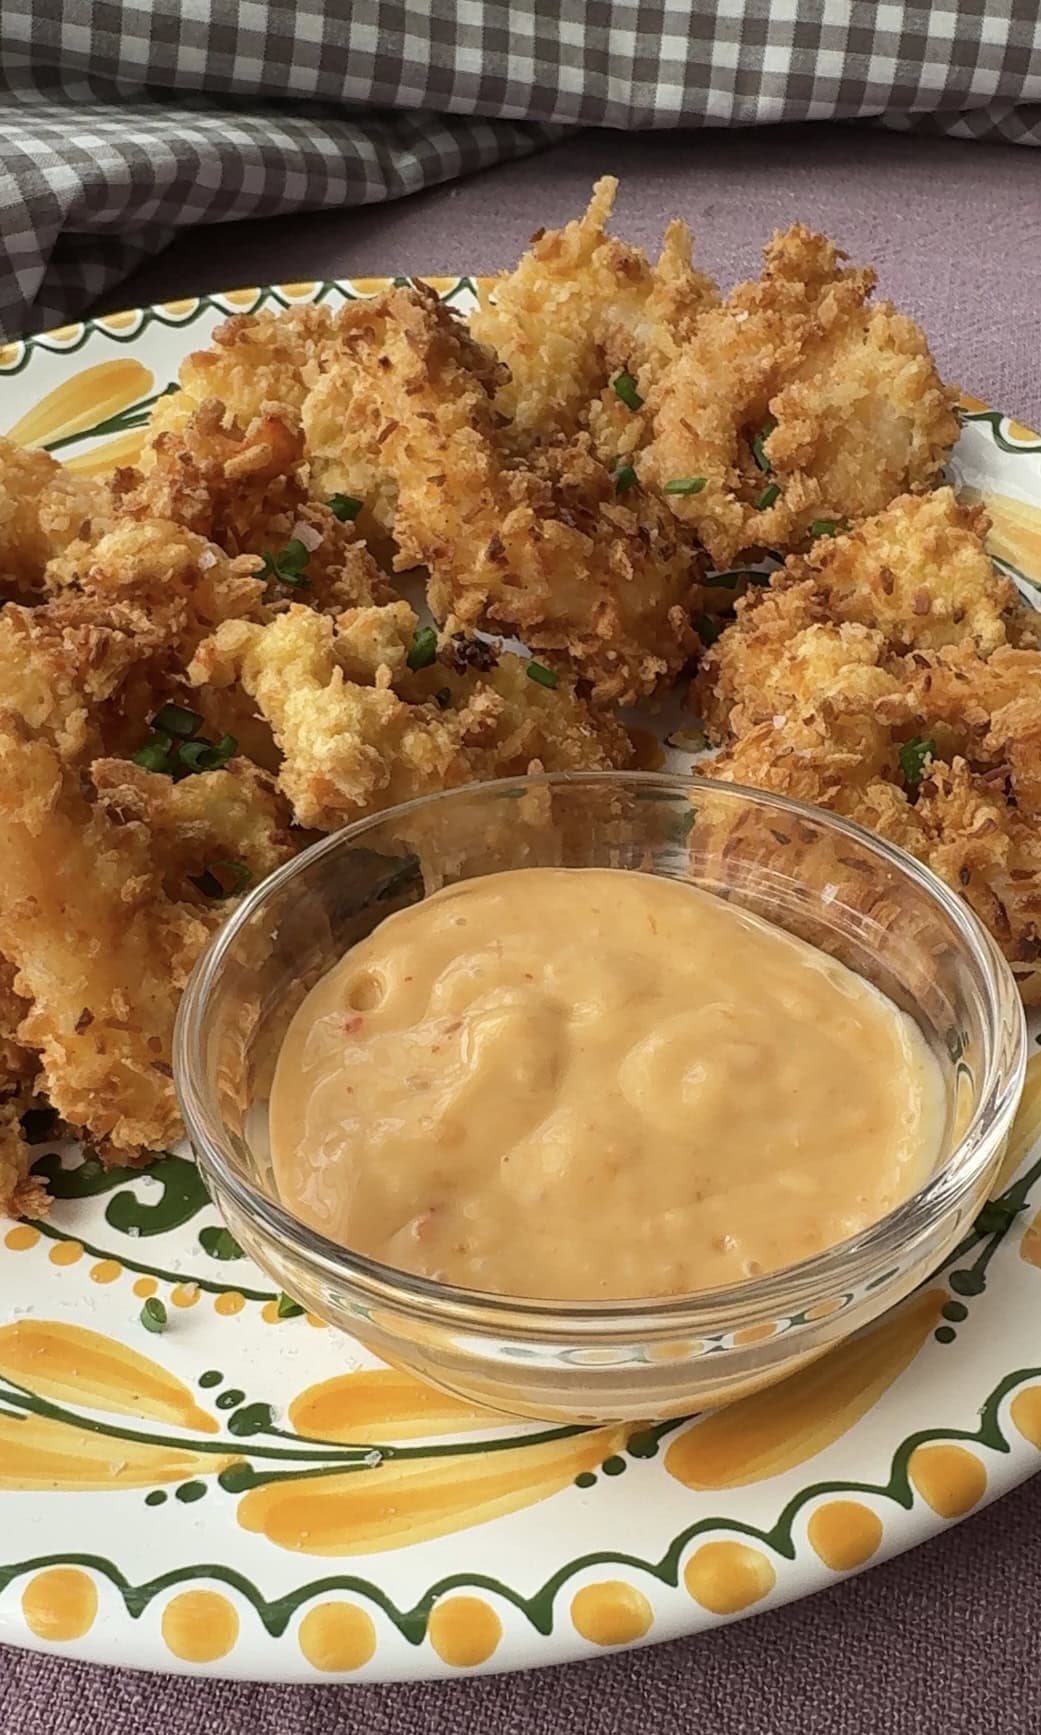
x=547, y=549
x=580, y=306
x=99, y=952
x=43, y=507
x=796, y=404
x=355, y=738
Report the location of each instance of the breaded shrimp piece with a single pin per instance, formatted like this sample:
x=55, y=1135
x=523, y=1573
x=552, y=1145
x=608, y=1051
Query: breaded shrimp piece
x=43, y=507
x=919, y=572
x=796, y=402
x=232, y=823
x=351, y=748
x=100, y=953
x=244, y=491
x=255, y=359
x=579, y=306
x=77, y=677
x=545, y=550
x=176, y=580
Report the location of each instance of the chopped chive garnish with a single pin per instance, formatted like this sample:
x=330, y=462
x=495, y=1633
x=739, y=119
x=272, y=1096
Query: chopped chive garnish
x=177, y=720
x=827, y=527
x=685, y=485
x=625, y=386
x=624, y=479
x=424, y=649
x=545, y=677
x=443, y=698
x=287, y=1308
x=154, y=755
x=708, y=629
x=204, y=756
x=757, y=445
x=153, y=1314
x=766, y=499
x=208, y=884
x=289, y=565
x=914, y=756
x=344, y=507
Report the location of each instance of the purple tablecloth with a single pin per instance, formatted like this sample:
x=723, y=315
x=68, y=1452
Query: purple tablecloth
x=946, y=1641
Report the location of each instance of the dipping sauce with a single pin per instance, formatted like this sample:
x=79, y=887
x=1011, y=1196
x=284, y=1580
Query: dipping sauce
x=590, y=1084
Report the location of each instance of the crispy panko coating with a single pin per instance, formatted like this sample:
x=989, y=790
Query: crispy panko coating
x=842, y=397
x=544, y=549
x=268, y=357
x=580, y=306
x=357, y=738
x=99, y=951
x=228, y=819
x=245, y=492
x=20, y=1192
x=43, y=507
x=919, y=572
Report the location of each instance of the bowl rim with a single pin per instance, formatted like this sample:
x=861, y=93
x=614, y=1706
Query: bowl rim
x=848, y=1262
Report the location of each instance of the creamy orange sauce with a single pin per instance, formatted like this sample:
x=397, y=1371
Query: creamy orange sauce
x=590, y=1083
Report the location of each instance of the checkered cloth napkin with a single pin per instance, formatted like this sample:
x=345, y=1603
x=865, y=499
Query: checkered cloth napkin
x=122, y=121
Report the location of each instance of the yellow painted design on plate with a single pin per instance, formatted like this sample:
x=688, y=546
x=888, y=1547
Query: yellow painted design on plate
x=783, y=1425
x=230, y=1303
x=726, y=1577
x=464, y=1631
x=106, y=1271
x=1015, y=533
x=50, y=1456
x=950, y=1479
x=199, y=1626
x=844, y=1534
x=83, y=400
x=72, y=1365
x=1025, y=1411
x=144, y=1287
x=112, y=454
x=21, y=1237
x=382, y=1404
x=1026, y=1128
x=65, y=1253
x=405, y=1501
x=184, y=1294
x=336, y=1637
x=612, y=1613
x=60, y=1604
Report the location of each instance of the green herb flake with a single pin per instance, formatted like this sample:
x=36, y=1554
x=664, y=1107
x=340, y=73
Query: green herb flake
x=205, y=755
x=708, y=629
x=154, y=755
x=758, y=444
x=624, y=479
x=996, y=1216
x=544, y=677
x=344, y=507
x=443, y=698
x=625, y=386
x=153, y=1314
x=177, y=720
x=770, y=494
x=685, y=485
x=915, y=756
x=287, y=1308
x=424, y=649
x=827, y=527
x=289, y=565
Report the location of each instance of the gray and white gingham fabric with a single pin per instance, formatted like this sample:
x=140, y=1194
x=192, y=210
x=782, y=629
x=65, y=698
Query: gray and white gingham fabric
x=122, y=121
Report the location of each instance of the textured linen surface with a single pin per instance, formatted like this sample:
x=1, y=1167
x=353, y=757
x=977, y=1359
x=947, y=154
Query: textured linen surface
x=946, y=1640
x=121, y=123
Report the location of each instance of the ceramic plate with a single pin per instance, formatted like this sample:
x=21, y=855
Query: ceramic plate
x=248, y=1494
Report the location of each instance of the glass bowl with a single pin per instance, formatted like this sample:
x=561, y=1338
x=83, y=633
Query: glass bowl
x=818, y=876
